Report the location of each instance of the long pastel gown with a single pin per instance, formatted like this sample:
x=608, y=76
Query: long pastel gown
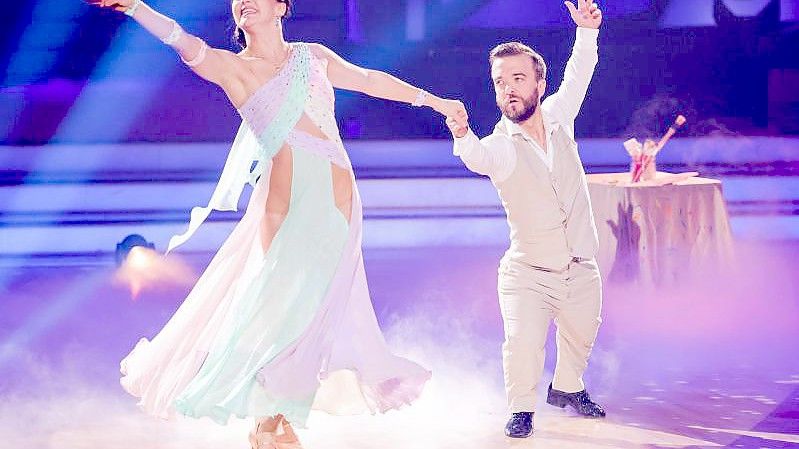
x=292, y=328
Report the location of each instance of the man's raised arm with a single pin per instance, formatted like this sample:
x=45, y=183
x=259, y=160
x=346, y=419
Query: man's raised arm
x=566, y=102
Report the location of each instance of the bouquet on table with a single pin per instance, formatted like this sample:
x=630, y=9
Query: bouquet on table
x=642, y=164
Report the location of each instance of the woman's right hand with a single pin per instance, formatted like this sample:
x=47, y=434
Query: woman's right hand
x=116, y=5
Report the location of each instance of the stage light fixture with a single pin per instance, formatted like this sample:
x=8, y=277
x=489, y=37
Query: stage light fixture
x=127, y=244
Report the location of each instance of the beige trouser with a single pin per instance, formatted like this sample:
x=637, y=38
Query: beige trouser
x=530, y=298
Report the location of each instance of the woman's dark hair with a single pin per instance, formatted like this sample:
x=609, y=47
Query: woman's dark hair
x=238, y=33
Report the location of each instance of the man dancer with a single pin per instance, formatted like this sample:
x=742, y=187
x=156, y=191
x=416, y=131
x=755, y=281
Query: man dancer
x=549, y=271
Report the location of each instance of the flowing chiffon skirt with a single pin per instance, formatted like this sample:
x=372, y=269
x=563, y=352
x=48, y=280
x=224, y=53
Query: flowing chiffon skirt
x=281, y=332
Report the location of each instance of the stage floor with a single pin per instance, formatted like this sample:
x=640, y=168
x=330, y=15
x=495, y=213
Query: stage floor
x=710, y=364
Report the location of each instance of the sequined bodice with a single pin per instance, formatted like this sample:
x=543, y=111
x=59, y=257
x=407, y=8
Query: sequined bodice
x=260, y=110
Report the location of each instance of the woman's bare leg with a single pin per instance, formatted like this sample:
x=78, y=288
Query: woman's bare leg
x=342, y=190
x=279, y=198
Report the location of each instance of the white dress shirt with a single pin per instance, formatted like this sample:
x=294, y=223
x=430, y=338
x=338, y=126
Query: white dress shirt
x=548, y=156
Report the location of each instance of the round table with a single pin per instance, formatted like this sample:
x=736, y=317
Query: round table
x=661, y=231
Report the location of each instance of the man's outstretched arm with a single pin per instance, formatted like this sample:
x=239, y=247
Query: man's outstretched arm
x=496, y=162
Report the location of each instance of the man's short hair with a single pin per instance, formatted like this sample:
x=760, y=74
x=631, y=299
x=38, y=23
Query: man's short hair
x=517, y=48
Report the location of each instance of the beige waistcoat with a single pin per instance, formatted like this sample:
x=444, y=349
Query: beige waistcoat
x=549, y=214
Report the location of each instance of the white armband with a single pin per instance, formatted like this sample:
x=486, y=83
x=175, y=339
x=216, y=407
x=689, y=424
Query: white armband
x=132, y=9
x=175, y=35
x=421, y=98
x=197, y=60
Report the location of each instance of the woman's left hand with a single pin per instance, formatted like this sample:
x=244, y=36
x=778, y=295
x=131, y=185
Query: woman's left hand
x=451, y=108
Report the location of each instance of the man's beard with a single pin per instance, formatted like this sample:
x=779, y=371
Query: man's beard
x=529, y=105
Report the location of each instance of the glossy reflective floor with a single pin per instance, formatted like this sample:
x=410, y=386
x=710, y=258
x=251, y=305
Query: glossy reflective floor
x=710, y=363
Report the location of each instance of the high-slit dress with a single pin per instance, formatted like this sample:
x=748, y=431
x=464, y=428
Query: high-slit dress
x=287, y=328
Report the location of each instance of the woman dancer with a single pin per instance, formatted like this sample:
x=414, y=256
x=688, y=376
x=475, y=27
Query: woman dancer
x=281, y=320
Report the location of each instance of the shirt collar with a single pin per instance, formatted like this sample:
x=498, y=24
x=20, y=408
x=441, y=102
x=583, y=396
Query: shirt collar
x=513, y=129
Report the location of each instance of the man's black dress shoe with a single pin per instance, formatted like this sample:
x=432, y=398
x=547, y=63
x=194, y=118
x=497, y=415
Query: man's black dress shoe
x=520, y=425
x=581, y=402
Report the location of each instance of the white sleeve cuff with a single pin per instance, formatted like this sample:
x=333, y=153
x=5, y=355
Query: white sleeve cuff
x=587, y=35
x=464, y=144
